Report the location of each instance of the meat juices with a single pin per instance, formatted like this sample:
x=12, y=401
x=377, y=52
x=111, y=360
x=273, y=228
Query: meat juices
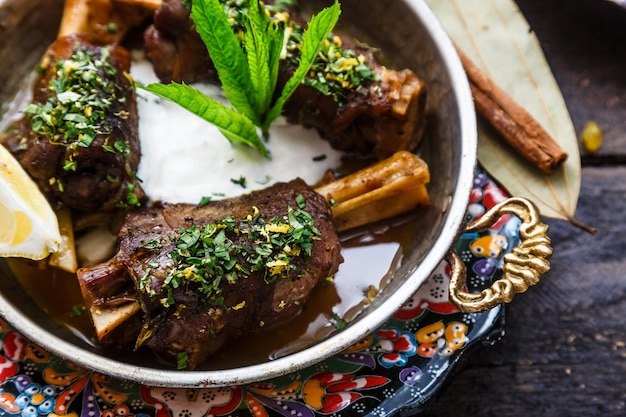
x=79, y=139
x=192, y=326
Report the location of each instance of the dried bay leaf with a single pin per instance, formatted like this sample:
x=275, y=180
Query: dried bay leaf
x=497, y=37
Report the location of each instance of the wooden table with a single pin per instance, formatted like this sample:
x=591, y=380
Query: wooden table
x=564, y=352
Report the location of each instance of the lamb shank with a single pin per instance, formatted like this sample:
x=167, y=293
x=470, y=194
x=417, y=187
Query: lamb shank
x=354, y=102
x=207, y=274
x=78, y=138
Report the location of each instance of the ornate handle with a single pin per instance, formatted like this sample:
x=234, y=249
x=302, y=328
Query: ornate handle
x=522, y=267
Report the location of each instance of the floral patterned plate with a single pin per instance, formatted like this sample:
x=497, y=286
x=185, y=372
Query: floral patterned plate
x=397, y=369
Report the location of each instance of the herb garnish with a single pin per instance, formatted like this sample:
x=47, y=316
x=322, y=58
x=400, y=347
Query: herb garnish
x=247, y=67
x=81, y=94
x=77, y=310
x=338, y=71
x=131, y=199
x=340, y=322
x=241, y=181
x=181, y=360
x=206, y=258
x=205, y=200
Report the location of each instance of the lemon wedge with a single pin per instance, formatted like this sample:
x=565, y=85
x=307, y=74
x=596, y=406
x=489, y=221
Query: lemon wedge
x=28, y=225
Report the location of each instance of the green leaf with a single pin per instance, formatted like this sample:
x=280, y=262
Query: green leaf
x=317, y=32
x=496, y=36
x=277, y=35
x=236, y=127
x=226, y=54
x=256, y=43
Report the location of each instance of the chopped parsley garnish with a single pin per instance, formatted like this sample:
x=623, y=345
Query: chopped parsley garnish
x=81, y=93
x=207, y=258
x=131, y=199
x=340, y=322
x=152, y=244
x=181, y=360
x=241, y=181
x=77, y=310
x=337, y=72
x=300, y=201
x=205, y=200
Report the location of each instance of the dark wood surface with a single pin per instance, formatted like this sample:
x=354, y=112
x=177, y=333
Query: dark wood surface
x=564, y=352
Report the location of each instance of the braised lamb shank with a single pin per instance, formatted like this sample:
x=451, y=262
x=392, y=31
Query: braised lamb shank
x=199, y=287
x=78, y=138
x=355, y=102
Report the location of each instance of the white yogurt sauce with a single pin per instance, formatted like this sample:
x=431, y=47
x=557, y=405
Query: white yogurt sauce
x=185, y=158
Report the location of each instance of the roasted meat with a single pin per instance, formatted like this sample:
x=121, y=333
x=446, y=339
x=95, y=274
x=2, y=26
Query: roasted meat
x=207, y=274
x=78, y=138
x=355, y=102
x=175, y=48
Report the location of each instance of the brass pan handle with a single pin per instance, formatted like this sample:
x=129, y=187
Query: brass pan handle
x=522, y=267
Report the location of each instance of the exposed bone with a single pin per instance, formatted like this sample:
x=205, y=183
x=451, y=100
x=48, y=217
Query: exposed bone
x=105, y=320
x=95, y=245
x=65, y=257
x=111, y=18
x=390, y=187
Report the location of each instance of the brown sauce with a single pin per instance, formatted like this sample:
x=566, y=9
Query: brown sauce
x=369, y=257
x=57, y=293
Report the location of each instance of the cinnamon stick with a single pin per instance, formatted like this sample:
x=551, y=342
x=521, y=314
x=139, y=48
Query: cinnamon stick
x=518, y=127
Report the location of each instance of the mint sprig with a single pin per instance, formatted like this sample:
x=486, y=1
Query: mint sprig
x=247, y=68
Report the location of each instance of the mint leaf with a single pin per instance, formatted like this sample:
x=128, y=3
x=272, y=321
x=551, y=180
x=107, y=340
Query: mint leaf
x=256, y=44
x=234, y=125
x=263, y=43
x=226, y=53
x=276, y=47
x=315, y=35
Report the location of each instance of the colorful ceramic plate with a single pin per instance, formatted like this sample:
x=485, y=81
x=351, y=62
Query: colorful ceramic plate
x=400, y=367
